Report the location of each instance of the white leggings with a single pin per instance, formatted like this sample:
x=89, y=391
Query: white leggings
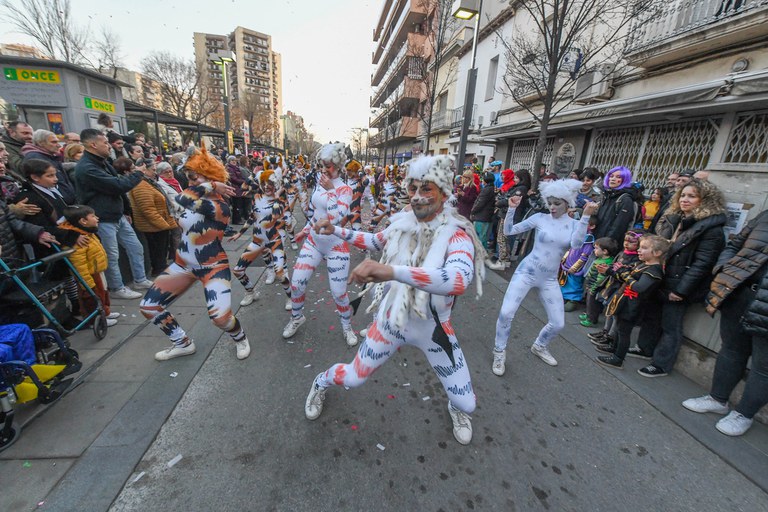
x=550, y=296
x=382, y=341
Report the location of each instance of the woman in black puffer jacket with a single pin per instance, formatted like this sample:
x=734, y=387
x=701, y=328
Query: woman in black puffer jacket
x=482, y=210
x=740, y=291
x=515, y=183
x=695, y=221
x=617, y=208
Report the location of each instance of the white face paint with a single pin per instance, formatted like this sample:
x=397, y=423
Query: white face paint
x=557, y=207
x=426, y=199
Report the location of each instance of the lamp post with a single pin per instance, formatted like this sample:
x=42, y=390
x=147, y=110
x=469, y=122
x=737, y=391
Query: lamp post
x=222, y=58
x=366, y=144
x=466, y=10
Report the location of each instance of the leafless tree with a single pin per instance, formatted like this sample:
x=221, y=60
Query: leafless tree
x=565, y=40
x=261, y=121
x=107, y=51
x=358, y=141
x=437, y=65
x=183, y=84
x=51, y=25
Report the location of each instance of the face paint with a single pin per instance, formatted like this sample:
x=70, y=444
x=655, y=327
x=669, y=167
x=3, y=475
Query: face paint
x=557, y=207
x=426, y=199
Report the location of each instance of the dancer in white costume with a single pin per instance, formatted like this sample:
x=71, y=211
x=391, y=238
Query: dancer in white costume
x=431, y=255
x=555, y=233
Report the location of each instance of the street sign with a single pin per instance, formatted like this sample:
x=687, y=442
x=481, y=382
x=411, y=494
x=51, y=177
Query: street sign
x=103, y=106
x=246, y=131
x=40, y=76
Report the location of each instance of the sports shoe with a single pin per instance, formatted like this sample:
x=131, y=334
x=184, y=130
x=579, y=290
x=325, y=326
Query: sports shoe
x=606, y=348
x=243, y=348
x=735, y=424
x=599, y=335
x=111, y=322
x=601, y=341
x=350, y=337
x=294, y=246
x=288, y=304
x=125, y=293
x=146, y=284
x=270, y=279
x=313, y=407
x=293, y=326
x=249, y=297
x=583, y=316
x=113, y=315
x=587, y=323
x=570, y=306
x=494, y=265
x=543, y=354
x=176, y=351
x=499, y=358
x=610, y=361
x=462, y=425
x=638, y=353
x=652, y=371
x=705, y=404
x=363, y=332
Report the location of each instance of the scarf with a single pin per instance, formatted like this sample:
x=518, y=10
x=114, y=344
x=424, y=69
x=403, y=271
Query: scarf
x=507, y=179
x=173, y=182
x=420, y=244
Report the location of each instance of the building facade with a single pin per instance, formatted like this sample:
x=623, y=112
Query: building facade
x=255, y=76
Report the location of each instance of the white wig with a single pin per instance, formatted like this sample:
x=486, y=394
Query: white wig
x=567, y=190
x=333, y=153
x=436, y=169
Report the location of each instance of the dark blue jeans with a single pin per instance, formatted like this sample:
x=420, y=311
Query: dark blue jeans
x=662, y=332
x=736, y=349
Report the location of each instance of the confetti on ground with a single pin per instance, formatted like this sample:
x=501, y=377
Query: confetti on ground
x=380, y=447
x=390, y=396
x=309, y=350
x=406, y=384
x=331, y=328
x=40, y=503
x=27, y=464
x=138, y=477
x=353, y=427
x=307, y=365
x=174, y=461
x=123, y=314
x=133, y=316
x=425, y=398
x=289, y=342
x=175, y=374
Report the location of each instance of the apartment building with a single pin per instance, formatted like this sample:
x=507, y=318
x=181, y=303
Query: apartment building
x=255, y=76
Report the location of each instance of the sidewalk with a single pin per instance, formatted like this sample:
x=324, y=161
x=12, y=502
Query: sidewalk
x=78, y=453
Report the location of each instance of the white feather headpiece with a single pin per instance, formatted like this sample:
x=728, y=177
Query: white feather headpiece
x=333, y=153
x=567, y=190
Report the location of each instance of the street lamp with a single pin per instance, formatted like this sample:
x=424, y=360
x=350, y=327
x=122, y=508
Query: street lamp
x=466, y=10
x=222, y=58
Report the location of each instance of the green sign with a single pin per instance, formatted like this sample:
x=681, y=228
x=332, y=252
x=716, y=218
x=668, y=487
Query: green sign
x=103, y=106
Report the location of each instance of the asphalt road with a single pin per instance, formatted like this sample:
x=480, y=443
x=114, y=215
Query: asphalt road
x=573, y=437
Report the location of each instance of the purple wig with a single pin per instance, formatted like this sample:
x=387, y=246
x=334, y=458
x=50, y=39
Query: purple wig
x=626, y=178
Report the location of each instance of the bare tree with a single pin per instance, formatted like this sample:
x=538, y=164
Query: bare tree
x=107, y=51
x=565, y=40
x=358, y=141
x=436, y=69
x=50, y=24
x=183, y=84
x=261, y=121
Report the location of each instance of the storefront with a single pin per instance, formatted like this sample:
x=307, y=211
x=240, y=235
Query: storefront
x=59, y=96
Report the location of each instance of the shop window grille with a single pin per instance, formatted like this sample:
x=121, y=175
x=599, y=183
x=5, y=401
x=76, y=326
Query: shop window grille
x=748, y=142
x=524, y=151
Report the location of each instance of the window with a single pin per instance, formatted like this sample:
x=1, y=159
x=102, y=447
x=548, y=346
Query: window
x=490, y=86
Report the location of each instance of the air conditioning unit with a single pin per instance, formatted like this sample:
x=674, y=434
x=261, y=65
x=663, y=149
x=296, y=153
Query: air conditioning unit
x=480, y=120
x=494, y=119
x=594, y=85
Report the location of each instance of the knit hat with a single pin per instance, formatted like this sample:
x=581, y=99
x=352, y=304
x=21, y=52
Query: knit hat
x=436, y=169
x=566, y=190
x=205, y=165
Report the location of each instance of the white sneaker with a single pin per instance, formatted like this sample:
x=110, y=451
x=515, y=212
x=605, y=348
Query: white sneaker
x=146, y=284
x=288, y=304
x=113, y=315
x=498, y=362
x=175, y=351
x=494, y=265
x=270, y=276
x=543, y=354
x=111, y=322
x=243, y=348
x=462, y=425
x=294, y=246
x=293, y=326
x=313, y=407
x=350, y=337
x=249, y=298
x=125, y=293
x=363, y=332
x=735, y=424
x=706, y=404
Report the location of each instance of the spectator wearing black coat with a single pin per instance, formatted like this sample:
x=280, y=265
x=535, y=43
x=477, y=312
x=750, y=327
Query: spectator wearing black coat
x=695, y=219
x=482, y=210
x=617, y=210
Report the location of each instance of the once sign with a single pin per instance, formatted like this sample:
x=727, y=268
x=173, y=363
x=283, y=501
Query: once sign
x=40, y=76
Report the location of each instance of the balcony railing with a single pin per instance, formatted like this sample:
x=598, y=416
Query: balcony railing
x=682, y=16
x=441, y=121
x=457, y=117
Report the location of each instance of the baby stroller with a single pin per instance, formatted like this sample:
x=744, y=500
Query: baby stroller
x=40, y=302
x=33, y=364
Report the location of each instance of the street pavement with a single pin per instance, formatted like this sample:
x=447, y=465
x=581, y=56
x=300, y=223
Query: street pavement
x=209, y=432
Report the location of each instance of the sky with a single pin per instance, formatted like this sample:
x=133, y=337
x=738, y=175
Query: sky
x=325, y=46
